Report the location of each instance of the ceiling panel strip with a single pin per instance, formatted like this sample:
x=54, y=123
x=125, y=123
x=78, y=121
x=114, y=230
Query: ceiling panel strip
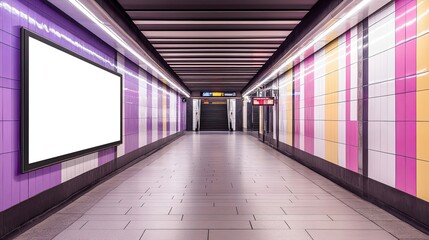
x=215, y=34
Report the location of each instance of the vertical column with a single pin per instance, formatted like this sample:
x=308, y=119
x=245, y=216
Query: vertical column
x=131, y=107
x=351, y=106
x=142, y=85
x=261, y=120
x=183, y=115
x=154, y=96
x=362, y=137
x=309, y=104
x=168, y=109
x=120, y=62
x=164, y=111
x=149, y=107
x=363, y=39
x=343, y=97
x=348, y=85
x=319, y=103
x=289, y=107
x=178, y=100
x=160, y=85
x=297, y=106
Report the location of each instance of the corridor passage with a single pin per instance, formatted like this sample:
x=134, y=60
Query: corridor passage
x=220, y=186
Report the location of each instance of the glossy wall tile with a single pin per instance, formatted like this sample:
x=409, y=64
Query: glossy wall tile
x=373, y=75
x=141, y=90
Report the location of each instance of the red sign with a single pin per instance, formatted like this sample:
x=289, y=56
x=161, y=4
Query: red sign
x=263, y=101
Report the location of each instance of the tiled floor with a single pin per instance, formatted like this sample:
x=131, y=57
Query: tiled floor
x=220, y=186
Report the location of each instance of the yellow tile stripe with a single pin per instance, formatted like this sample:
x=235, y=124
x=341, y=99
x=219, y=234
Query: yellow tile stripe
x=422, y=100
x=331, y=102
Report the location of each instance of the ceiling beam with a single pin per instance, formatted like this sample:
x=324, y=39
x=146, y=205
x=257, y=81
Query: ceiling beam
x=217, y=40
x=186, y=50
x=217, y=45
x=216, y=22
x=216, y=66
x=214, y=63
x=189, y=59
x=216, y=34
x=216, y=54
x=211, y=72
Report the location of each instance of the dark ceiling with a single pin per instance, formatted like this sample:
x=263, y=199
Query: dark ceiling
x=216, y=45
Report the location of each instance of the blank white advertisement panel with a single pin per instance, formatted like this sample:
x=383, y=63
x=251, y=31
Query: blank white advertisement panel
x=71, y=106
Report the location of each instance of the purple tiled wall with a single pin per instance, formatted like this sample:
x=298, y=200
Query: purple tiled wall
x=38, y=17
x=160, y=93
x=182, y=107
x=16, y=187
x=131, y=105
x=178, y=101
x=168, y=111
x=149, y=108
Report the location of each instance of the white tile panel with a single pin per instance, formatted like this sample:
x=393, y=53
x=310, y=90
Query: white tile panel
x=302, y=110
x=381, y=167
x=381, y=35
x=319, y=147
x=120, y=149
x=154, y=114
x=282, y=110
x=319, y=110
x=342, y=155
x=383, y=136
x=342, y=123
x=388, y=10
x=391, y=137
x=73, y=168
x=390, y=63
x=142, y=111
x=354, y=46
x=374, y=165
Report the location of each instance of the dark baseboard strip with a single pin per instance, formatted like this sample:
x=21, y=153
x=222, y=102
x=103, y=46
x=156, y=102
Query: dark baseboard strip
x=36, y=209
x=252, y=133
x=406, y=207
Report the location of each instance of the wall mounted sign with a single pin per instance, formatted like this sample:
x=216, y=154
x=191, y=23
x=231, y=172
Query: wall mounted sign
x=70, y=105
x=218, y=94
x=263, y=101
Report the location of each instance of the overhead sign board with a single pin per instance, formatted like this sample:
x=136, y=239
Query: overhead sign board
x=218, y=94
x=263, y=101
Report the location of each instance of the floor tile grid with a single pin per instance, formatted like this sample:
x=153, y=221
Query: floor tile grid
x=67, y=216
x=409, y=233
x=241, y=192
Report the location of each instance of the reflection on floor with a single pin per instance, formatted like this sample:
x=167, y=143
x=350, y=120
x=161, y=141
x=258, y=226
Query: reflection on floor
x=220, y=187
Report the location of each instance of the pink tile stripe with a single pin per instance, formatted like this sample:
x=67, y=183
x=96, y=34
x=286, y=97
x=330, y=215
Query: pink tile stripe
x=297, y=96
x=309, y=104
x=400, y=96
x=351, y=126
x=405, y=71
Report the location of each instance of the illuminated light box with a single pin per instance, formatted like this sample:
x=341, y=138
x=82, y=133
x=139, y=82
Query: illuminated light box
x=218, y=94
x=70, y=106
x=263, y=101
